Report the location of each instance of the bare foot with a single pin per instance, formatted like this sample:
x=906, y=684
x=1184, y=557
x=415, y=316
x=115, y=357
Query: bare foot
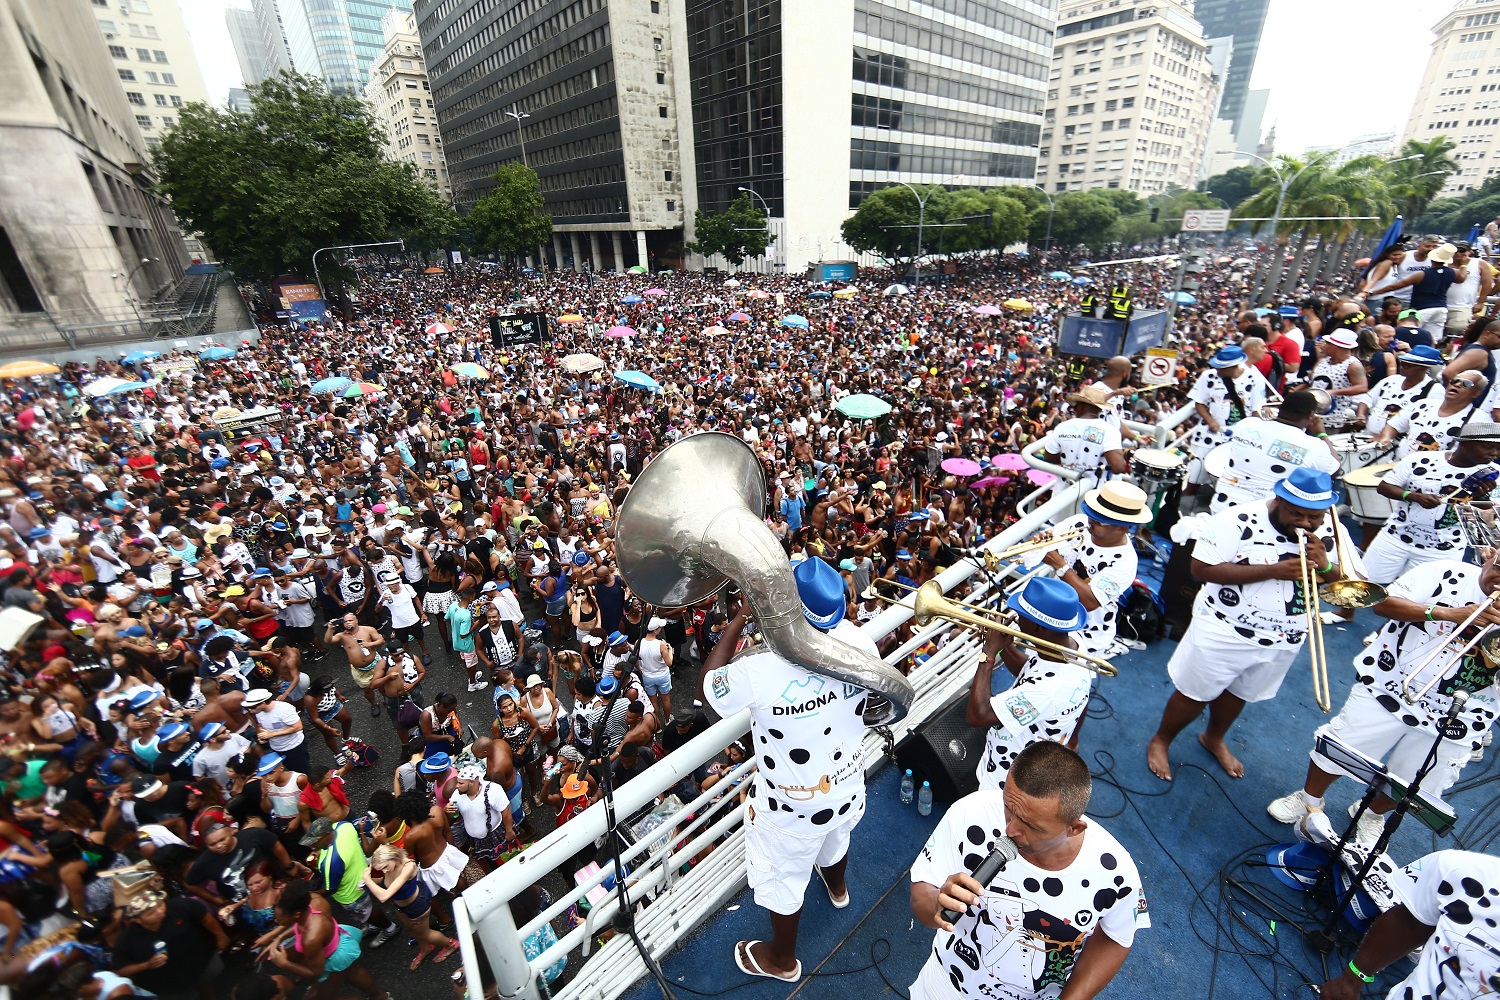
x=1156, y=758
x=1228, y=761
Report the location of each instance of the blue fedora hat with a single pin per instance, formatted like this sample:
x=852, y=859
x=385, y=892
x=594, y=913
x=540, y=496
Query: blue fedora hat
x=1227, y=357
x=1050, y=603
x=1422, y=355
x=437, y=763
x=1297, y=866
x=1308, y=489
x=822, y=592
x=171, y=731
x=268, y=763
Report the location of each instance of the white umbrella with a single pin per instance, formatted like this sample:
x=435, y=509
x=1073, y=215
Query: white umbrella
x=732, y=283
x=110, y=385
x=579, y=364
x=896, y=290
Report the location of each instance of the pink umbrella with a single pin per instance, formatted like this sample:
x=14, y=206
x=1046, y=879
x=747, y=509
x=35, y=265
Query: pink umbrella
x=1010, y=460
x=988, y=310
x=1039, y=478
x=620, y=331
x=438, y=329
x=757, y=294
x=961, y=466
x=654, y=292
x=988, y=481
x=737, y=317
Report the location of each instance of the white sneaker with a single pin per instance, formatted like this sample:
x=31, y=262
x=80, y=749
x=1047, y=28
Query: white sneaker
x=474, y=686
x=1289, y=808
x=1371, y=825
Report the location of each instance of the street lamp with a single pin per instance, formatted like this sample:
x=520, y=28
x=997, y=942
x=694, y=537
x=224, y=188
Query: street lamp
x=347, y=246
x=1051, y=207
x=518, y=116
x=764, y=207
x=130, y=295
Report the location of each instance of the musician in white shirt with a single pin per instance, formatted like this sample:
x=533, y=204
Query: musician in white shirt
x=1086, y=442
x=1262, y=452
x=1223, y=397
x=1414, y=381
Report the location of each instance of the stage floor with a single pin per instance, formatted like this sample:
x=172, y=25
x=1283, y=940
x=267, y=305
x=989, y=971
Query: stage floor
x=1185, y=837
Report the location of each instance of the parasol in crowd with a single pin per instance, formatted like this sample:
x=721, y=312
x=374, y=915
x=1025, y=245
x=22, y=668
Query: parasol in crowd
x=656, y=292
x=362, y=389
x=987, y=310
x=713, y=331
x=28, y=368
x=733, y=283
x=468, y=369
x=570, y=318
x=863, y=406
x=1009, y=460
x=1059, y=275
x=582, y=364
x=217, y=353
x=331, y=385
x=438, y=329
x=617, y=332
x=897, y=289
x=1019, y=305
x=737, y=317
x=1037, y=477
x=632, y=300
x=792, y=319
x=136, y=357
x=1083, y=279
x=637, y=269
x=988, y=481
x=756, y=293
x=112, y=386
x=1185, y=298
x=638, y=380
x=962, y=467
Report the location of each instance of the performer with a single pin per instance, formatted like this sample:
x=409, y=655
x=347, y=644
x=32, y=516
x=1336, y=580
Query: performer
x=1100, y=567
x=1439, y=916
x=1117, y=373
x=1057, y=920
x=1223, y=397
x=1423, y=526
x=1249, y=620
x=1342, y=374
x=1422, y=612
x=1086, y=442
x=1048, y=698
x=1262, y=451
x=1412, y=383
x=1434, y=423
x=809, y=790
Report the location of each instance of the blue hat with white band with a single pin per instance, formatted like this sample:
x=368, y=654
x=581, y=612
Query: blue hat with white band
x=1228, y=357
x=1050, y=603
x=822, y=592
x=1308, y=489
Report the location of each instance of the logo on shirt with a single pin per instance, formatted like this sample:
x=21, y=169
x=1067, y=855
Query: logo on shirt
x=1022, y=710
x=1285, y=451
x=804, y=697
x=720, y=683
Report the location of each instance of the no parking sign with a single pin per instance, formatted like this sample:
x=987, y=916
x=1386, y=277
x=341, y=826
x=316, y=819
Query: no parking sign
x=1160, y=367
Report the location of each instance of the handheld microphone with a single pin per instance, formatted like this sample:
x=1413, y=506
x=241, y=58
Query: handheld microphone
x=992, y=865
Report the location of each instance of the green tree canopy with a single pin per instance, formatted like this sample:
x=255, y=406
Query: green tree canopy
x=510, y=219
x=739, y=232
x=1007, y=220
x=1081, y=218
x=1232, y=186
x=302, y=169
x=1418, y=172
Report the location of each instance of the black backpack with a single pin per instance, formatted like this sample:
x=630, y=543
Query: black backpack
x=1141, y=616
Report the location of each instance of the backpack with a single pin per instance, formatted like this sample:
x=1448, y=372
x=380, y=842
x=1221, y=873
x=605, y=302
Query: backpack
x=1142, y=614
x=360, y=753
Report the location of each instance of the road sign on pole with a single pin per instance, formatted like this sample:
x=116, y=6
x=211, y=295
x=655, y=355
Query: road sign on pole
x=1205, y=220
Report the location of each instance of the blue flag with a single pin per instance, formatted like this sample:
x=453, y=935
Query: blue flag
x=1473, y=236
x=1392, y=235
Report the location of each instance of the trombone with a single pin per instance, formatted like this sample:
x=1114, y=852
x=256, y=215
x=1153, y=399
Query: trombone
x=929, y=604
x=992, y=559
x=1486, y=639
x=1350, y=592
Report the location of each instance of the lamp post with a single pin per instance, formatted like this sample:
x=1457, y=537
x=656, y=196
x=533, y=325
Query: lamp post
x=130, y=295
x=518, y=116
x=765, y=208
x=347, y=246
x=1051, y=207
x=921, y=221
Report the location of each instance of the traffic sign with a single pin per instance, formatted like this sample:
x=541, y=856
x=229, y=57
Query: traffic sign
x=1205, y=220
x=1160, y=367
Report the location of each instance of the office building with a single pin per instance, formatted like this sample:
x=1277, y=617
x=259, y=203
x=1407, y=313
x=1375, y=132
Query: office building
x=153, y=58
x=1243, y=20
x=337, y=40
x=401, y=98
x=79, y=208
x=1247, y=134
x=250, y=50
x=1131, y=100
x=1459, y=97
x=276, y=48
x=239, y=100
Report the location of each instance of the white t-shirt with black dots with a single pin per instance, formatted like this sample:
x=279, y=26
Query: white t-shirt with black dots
x=1458, y=894
x=1438, y=528
x=808, y=732
x=1021, y=941
x=1268, y=612
x=1110, y=570
x=1423, y=428
x=1400, y=647
x=1045, y=703
x=1261, y=454
x=1081, y=444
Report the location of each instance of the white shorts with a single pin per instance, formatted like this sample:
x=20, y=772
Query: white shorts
x=1367, y=727
x=1388, y=557
x=1435, y=321
x=778, y=861
x=1211, y=659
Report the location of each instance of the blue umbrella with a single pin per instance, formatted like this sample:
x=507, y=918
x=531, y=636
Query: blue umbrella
x=1473, y=236
x=632, y=300
x=217, y=353
x=1185, y=298
x=792, y=319
x=115, y=390
x=820, y=294
x=136, y=357
x=332, y=384
x=1083, y=279
x=638, y=380
x=1060, y=275
x=1391, y=235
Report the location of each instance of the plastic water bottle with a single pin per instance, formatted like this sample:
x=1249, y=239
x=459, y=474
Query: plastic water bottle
x=907, y=788
x=924, y=800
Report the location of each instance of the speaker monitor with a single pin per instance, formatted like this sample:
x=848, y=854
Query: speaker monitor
x=945, y=752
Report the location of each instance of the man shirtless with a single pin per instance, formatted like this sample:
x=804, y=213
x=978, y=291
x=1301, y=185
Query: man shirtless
x=400, y=683
x=439, y=863
x=362, y=644
x=286, y=660
x=221, y=706
x=643, y=727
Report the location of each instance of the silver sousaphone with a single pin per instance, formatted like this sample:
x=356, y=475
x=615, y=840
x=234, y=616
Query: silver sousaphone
x=695, y=521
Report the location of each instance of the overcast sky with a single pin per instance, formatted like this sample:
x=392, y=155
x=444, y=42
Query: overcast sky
x=1336, y=68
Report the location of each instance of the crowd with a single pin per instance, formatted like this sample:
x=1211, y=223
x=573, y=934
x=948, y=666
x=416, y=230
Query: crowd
x=304, y=678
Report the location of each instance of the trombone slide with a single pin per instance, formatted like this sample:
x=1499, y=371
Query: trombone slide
x=1454, y=655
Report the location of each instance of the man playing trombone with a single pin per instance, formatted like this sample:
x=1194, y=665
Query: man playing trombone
x=1405, y=685
x=1250, y=619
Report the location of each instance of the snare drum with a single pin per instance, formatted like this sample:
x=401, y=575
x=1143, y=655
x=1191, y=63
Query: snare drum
x=1362, y=494
x=1156, y=468
x=1354, y=451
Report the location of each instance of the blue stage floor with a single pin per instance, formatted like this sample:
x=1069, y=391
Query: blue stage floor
x=1182, y=837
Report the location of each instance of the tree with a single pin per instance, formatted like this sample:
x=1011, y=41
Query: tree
x=739, y=232
x=1418, y=173
x=1007, y=222
x=302, y=169
x=510, y=219
x=1081, y=217
x=1232, y=186
x=886, y=223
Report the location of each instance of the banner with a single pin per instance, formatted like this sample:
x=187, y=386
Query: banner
x=1104, y=338
x=304, y=302
x=174, y=367
x=519, y=328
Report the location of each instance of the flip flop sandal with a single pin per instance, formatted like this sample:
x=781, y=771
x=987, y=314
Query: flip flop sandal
x=449, y=949
x=422, y=953
x=750, y=967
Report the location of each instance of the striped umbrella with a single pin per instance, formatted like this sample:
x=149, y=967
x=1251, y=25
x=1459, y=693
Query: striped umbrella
x=363, y=389
x=331, y=385
x=468, y=369
x=438, y=329
x=737, y=317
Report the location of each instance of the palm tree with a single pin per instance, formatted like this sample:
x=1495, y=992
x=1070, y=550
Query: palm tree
x=1418, y=173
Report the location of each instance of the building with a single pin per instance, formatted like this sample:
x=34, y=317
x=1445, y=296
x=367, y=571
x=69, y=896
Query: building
x=401, y=97
x=1374, y=144
x=1247, y=135
x=1131, y=100
x=1459, y=97
x=153, y=56
x=336, y=40
x=239, y=100
x=273, y=38
x=250, y=49
x=1242, y=20
x=85, y=238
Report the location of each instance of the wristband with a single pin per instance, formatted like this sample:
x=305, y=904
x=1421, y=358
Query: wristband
x=1429, y=612
x=1327, y=568
x=1405, y=494
x=1323, y=435
x=1363, y=977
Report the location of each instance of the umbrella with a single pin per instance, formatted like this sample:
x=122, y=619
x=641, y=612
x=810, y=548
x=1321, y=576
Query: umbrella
x=332, y=384
x=713, y=331
x=737, y=317
x=217, y=353
x=961, y=466
x=846, y=293
x=733, y=283
x=987, y=310
x=863, y=406
x=1391, y=235
x=136, y=357
x=362, y=389
x=111, y=386
x=1037, y=477
x=792, y=319
x=1362, y=262
x=988, y=481
x=438, y=329
x=570, y=318
x=1060, y=275
x=632, y=300
x=1083, y=279
x=896, y=290
x=580, y=364
x=656, y=292
x=620, y=331
x=1020, y=305
x=26, y=369
x=756, y=293
x=1009, y=460
x=1241, y=262
x=433, y=270
x=468, y=369
x=1185, y=298
x=1221, y=260
x=819, y=294
x=638, y=380
x=638, y=269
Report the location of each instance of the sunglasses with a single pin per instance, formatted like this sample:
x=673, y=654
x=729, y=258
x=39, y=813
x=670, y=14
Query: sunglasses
x=1462, y=383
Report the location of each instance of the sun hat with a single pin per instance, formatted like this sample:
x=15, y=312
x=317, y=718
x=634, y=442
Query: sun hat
x=141, y=699
x=1091, y=395
x=437, y=763
x=316, y=831
x=256, y=696
x=1298, y=866
x=822, y=592
x=1308, y=489
x=1228, y=357
x=580, y=558
x=1480, y=430
x=1117, y=502
x=534, y=681
x=1051, y=603
x=655, y=623
x=1347, y=339
x=144, y=901
x=171, y=731
x=573, y=787
x=268, y=763
x=1442, y=254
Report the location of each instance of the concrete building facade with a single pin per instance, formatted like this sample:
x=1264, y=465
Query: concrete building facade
x=1131, y=100
x=153, y=58
x=250, y=50
x=1459, y=97
x=401, y=96
x=84, y=235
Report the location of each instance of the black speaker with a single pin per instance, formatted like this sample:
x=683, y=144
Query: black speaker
x=496, y=336
x=1178, y=589
x=945, y=752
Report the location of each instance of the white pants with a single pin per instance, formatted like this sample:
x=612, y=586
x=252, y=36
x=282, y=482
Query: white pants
x=778, y=861
x=1375, y=732
x=1388, y=557
x=1435, y=322
x=1212, y=659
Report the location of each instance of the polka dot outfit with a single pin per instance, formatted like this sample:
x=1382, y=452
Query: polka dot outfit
x=1423, y=428
x=1261, y=453
x=1212, y=392
x=1415, y=534
x=1330, y=374
x=1458, y=894
x=1110, y=571
x=1046, y=703
x=1081, y=444
x=1389, y=398
x=1022, y=939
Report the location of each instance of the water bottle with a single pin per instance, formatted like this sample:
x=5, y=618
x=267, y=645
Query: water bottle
x=907, y=787
x=924, y=800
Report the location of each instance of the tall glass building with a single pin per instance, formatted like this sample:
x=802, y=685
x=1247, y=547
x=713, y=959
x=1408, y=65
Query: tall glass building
x=337, y=40
x=1244, y=20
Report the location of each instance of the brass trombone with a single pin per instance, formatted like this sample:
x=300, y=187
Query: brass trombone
x=1487, y=639
x=992, y=559
x=1349, y=592
x=929, y=604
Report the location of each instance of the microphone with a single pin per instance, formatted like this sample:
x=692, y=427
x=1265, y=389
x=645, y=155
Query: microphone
x=1450, y=727
x=1460, y=698
x=992, y=865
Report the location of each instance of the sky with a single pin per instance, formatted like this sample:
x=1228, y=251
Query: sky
x=1317, y=98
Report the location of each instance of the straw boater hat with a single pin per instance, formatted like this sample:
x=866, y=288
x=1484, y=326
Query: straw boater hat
x=1091, y=395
